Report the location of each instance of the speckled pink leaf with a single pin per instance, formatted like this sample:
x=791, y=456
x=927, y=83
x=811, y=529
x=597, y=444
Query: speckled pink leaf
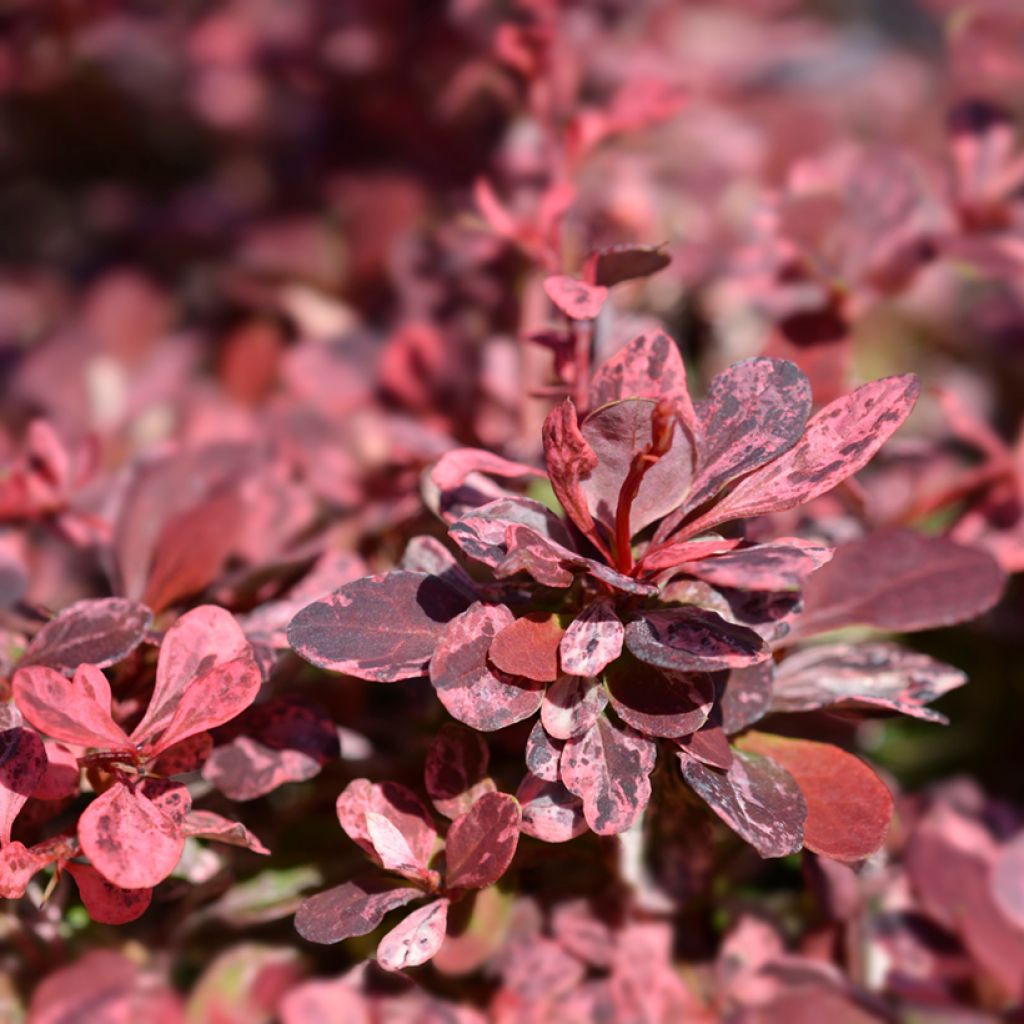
x=608, y=768
x=900, y=580
x=691, y=639
x=571, y=706
x=592, y=641
x=575, y=298
x=864, y=676
x=128, y=839
x=383, y=628
x=481, y=844
x=393, y=849
x=399, y=804
x=617, y=263
x=168, y=796
x=1008, y=880
x=455, y=770
x=99, y=632
x=528, y=647
x=22, y=766
x=756, y=798
x=18, y=864
x=569, y=460
x=550, y=812
x=209, y=825
x=617, y=434
x=649, y=366
x=188, y=755
x=200, y=640
x=777, y=565
x=76, y=711
x=351, y=909
x=659, y=702
x=543, y=753
x=849, y=808
x=416, y=939
x=105, y=902
x=466, y=685
x=745, y=697
x=62, y=776
x=536, y=556
x=838, y=441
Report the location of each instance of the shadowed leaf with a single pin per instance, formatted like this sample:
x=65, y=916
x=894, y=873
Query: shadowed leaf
x=550, y=812
x=691, y=639
x=107, y=903
x=481, y=844
x=455, y=771
x=571, y=706
x=659, y=702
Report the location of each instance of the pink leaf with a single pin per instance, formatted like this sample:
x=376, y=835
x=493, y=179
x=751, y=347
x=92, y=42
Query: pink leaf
x=76, y=712
x=650, y=366
x=571, y=706
x=689, y=639
x=18, y=864
x=592, y=641
x=849, y=808
x=528, y=647
x=455, y=771
x=778, y=565
x=62, y=777
x=472, y=692
x=481, y=844
x=393, y=801
x=129, y=840
x=209, y=825
x=1008, y=880
x=351, y=909
x=98, y=632
x=756, y=798
x=416, y=939
x=608, y=768
x=105, y=902
x=22, y=766
x=382, y=628
x=575, y=298
x=452, y=469
x=394, y=850
x=657, y=702
x=543, y=753
x=550, y=812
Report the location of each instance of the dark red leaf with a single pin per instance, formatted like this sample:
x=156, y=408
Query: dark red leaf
x=710, y=746
x=481, y=844
x=745, y=697
x=107, y=903
x=900, y=580
x=619, y=263
x=455, y=771
x=575, y=298
x=608, y=768
x=472, y=692
x=354, y=908
x=22, y=766
x=692, y=639
x=390, y=800
x=849, y=808
x=756, y=798
x=528, y=647
x=189, y=755
x=543, y=753
x=571, y=705
x=592, y=641
x=864, y=676
x=128, y=839
x=416, y=939
x=245, y=768
x=99, y=632
x=550, y=812
x=659, y=702
x=383, y=628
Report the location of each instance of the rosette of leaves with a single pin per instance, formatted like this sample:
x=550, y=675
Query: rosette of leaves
x=130, y=837
x=643, y=617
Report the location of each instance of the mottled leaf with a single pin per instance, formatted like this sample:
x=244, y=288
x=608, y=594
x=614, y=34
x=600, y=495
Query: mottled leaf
x=659, y=702
x=467, y=686
x=608, y=768
x=575, y=298
x=245, y=768
x=351, y=909
x=188, y=755
x=382, y=628
x=849, y=808
x=571, y=705
x=543, y=753
x=455, y=771
x=528, y=647
x=691, y=639
x=592, y=641
x=128, y=839
x=865, y=676
x=570, y=460
x=398, y=804
x=550, y=812
x=18, y=864
x=416, y=939
x=649, y=366
x=777, y=565
x=107, y=903
x=22, y=766
x=756, y=798
x=745, y=696
x=481, y=844
x=98, y=632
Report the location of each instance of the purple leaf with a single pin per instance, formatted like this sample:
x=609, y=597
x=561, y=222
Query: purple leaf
x=650, y=366
x=619, y=263
x=901, y=580
x=428, y=555
x=22, y=765
x=351, y=909
x=466, y=685
x=105, y=902
x=528, y=647
x=416, y=939
x=543, y=753
x=99, y=632
x=571, y=706
x=756, y=798
x=608, y=768
x=245, y=768
x=692, y=639
x=575, y=298
x=537, y=556
x=657, y=702
x=745, y=696
x=481, y=844
x=382, y=628
x=393, y=801
x=863, y=676
x=839, y=440
x=131, y=841
x=778, y=565
x=455, y=772
x=550, y=812
x=593, y=640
